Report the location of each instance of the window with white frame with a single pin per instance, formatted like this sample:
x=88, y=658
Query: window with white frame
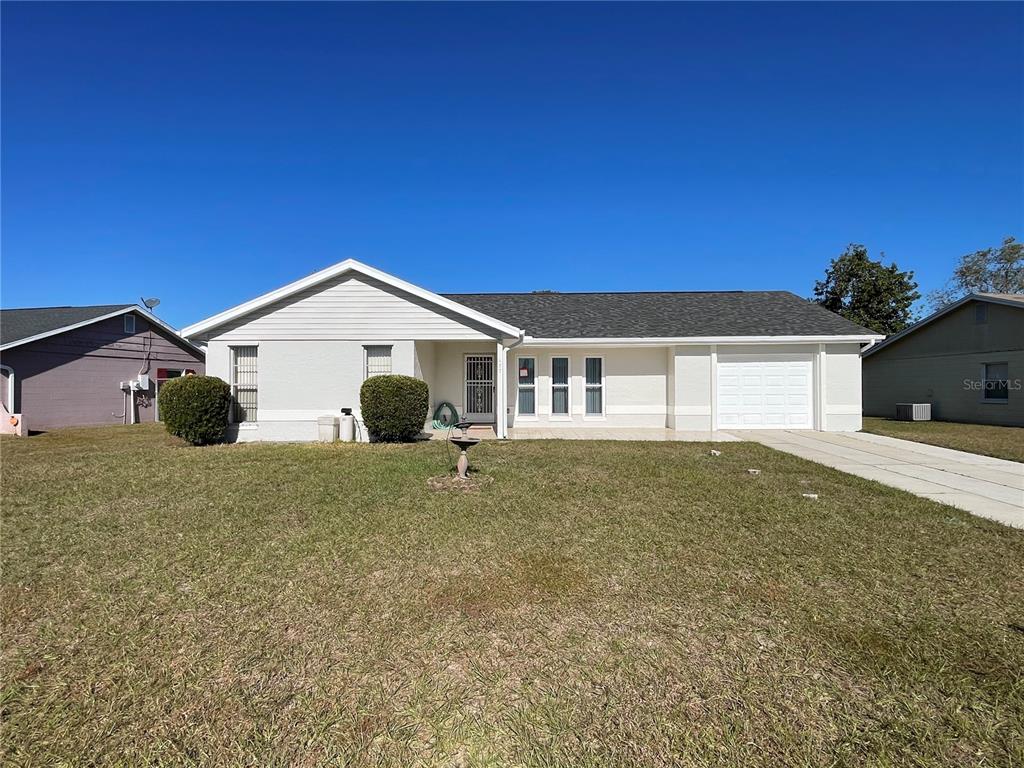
x=526, y=405
x=560, y=386
x=996, y=382
x=378, y=360
x=243, y=383
x=129, y=323
x=594, y=386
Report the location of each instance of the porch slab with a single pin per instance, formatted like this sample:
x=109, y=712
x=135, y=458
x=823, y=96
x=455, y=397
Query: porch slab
x=596, y=433
x=619, y=433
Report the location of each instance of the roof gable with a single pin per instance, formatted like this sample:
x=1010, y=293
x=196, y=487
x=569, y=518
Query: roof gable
x=19, y=325
x=24, y=326
x=231, y=317
x=1007, y=299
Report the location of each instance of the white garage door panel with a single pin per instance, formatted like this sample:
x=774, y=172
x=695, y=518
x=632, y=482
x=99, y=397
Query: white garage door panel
x=763, y=393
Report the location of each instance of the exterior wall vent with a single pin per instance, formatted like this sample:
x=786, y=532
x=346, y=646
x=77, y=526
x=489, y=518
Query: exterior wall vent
x=913, y=411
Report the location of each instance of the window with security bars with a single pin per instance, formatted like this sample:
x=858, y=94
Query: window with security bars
x=243, y=384
x=595, y=386
x=378, y=360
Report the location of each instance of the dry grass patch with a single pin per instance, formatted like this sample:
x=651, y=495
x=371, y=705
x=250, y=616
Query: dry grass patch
x=593, y=604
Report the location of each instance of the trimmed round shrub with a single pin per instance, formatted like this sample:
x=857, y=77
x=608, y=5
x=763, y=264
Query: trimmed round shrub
x=195, y=408
x=394, y=407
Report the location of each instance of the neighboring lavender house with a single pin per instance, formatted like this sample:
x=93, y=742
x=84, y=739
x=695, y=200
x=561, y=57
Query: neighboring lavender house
x=76, y=366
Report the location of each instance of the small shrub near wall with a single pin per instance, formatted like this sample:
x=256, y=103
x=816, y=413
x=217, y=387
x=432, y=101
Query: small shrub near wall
x=195, y=408
x=394, y=408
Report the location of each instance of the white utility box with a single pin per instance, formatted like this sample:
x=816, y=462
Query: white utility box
x=327, y=428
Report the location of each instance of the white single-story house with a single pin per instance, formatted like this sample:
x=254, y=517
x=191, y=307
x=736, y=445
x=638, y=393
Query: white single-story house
x=676, y=360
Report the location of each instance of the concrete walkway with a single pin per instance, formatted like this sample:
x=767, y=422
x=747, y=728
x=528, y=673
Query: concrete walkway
x=983, y=486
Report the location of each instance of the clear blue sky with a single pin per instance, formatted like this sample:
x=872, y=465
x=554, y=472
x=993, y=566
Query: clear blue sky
x=208, y=153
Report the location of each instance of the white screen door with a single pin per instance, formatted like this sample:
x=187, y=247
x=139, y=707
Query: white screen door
x=479, y=388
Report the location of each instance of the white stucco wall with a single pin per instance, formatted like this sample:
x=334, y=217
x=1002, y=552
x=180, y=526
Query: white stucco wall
x=843, y=388
x=635, y=387
x=693, y=387
x=644, y=386
x=299, y=381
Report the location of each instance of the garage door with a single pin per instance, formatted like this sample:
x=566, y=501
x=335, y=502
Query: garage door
x=770, y=392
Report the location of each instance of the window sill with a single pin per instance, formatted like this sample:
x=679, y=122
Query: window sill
x=559, y=417
x=525, y=417
x=594, y=417
x=247, y=425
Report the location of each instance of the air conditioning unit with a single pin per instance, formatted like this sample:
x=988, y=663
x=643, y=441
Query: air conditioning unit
x=913, y=411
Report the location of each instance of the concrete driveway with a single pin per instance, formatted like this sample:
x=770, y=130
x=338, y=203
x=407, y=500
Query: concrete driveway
x=987, y=487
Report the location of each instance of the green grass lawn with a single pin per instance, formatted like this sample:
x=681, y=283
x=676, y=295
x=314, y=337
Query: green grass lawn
x=987, y=440
x=586, y=604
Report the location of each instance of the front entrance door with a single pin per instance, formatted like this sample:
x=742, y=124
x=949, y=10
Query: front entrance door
x=479, y=406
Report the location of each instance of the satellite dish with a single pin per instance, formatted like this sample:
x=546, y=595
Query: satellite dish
x=150, y=303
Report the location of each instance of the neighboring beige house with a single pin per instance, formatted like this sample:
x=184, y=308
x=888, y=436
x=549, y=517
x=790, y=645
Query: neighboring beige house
x=677, y=360
x=967, y=360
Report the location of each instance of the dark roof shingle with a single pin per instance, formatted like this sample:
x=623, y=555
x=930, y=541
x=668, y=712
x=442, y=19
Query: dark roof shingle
x=660, y=315
x=18, y=324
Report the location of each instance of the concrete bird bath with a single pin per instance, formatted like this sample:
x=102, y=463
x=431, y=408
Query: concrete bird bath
x=463, y=443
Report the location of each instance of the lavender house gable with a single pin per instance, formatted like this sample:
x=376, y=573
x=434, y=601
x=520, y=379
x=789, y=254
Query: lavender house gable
x=72, y=376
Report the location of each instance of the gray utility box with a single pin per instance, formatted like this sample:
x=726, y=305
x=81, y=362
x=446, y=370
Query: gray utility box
x=913, y=411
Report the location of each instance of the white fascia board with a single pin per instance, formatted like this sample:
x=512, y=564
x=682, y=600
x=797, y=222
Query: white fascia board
x=530, y=341
x=936, y=315
x=349, y=265
x=64, y=329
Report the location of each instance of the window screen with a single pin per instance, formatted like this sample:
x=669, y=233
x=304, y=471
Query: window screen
x=378, y=360
x=244, y=383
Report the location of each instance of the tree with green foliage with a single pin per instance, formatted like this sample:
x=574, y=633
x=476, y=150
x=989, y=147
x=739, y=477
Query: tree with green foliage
x=868, y=292
x=992, y=270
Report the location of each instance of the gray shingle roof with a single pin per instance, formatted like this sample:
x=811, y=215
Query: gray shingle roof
x=660, y=315
x=17, y=324
x=1017, y=298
